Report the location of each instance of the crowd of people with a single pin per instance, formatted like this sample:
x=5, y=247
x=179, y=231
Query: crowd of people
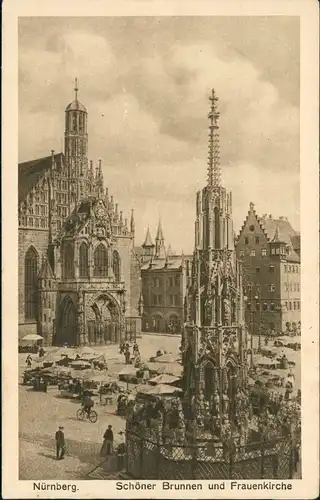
x=135, y=357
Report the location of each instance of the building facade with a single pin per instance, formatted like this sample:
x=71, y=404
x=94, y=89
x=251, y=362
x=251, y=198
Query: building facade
x=270, y=251
x=164, y=278
x=214, y=344
x=78, y=272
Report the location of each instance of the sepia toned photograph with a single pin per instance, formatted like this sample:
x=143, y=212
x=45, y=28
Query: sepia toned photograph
x=159, y=255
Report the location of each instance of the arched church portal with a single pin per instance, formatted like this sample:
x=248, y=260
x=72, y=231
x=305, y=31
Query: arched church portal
x=104, y=321
x=67, y=332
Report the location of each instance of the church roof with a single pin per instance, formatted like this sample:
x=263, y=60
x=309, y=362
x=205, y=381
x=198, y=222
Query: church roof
x=170, y=263
x=30, y=172
x=76, y=106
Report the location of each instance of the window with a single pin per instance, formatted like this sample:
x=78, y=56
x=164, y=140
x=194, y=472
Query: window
x=170, y=281
x=285, y=269
x=241, y=253
x=298, y=287
x=294, y=305
x=100, y=259
x=246, y=241
x=43, y=223
x=42, y=210
x=116, y=266
x=271, y=269
x=298, y=305
x=177, y=281
x=30, y=221
x=252, y=253
x=272, y=288
x=265, y=306
x=286, y=304
x=83, y=261
x=68, y=261
x=249, y=306
x=257, y=269
x=37, y=222
x=272, y=306
x=257, y=240
x=264, y=252
x=37, y=209
x=251, y=228
x=30, y=284
x=290, y=306
x=59, y=225
x=249, y=289
x=258, y=306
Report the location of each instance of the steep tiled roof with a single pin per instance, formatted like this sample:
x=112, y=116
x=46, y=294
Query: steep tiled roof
x=282, y=228
x=170, y=263
x=30, y=172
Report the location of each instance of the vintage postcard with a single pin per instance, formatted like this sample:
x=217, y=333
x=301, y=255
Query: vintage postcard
x=160, y=250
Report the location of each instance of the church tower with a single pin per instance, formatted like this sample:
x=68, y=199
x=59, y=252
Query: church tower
x=160, y=250
x=76, y=149
x=214, y=339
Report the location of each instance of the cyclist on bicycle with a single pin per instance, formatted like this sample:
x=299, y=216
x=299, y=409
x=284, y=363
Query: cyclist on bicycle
x=87, y=404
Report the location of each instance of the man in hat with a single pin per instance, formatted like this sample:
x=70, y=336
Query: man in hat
x=60, y=443
x=108, y=436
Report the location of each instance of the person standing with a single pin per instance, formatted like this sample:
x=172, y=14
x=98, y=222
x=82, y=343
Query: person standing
x=60, y=443
x=108, y=436
x=127, y=356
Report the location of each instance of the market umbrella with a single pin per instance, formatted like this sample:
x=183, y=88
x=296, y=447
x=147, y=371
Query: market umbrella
x=32, y=336
x=164, y=378
x=86, y=352
x=163, y=389
x=51, y=357
x=94, y=376
x=65, y=351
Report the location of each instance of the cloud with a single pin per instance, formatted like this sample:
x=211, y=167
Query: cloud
x=145, y=83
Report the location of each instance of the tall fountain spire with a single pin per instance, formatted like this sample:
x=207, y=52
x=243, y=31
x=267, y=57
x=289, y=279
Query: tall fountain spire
x=214, y=169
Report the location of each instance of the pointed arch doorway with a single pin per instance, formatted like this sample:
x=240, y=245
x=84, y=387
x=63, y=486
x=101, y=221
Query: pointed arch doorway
x=67, y=332
x=104, y=321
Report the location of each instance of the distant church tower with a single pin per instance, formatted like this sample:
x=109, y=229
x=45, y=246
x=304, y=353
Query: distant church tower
x=214, y=338
x=76, y=149
x=160, y=250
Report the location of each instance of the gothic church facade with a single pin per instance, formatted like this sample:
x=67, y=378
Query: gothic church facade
x=78, y=272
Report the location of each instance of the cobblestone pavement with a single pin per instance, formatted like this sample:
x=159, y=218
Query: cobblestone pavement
x=40, y=414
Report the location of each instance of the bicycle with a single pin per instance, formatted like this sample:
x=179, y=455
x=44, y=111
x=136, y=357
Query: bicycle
x=82, y=414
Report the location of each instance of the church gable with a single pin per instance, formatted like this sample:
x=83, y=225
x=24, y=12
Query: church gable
x=252, y=231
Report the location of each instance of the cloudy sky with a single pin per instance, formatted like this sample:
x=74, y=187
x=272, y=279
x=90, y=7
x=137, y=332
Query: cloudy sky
x=145, y=83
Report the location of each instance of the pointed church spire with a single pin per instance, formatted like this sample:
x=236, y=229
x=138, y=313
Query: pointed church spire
x=160, y=232
x=148, y=241
x=214, y=170
x=76, y=88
